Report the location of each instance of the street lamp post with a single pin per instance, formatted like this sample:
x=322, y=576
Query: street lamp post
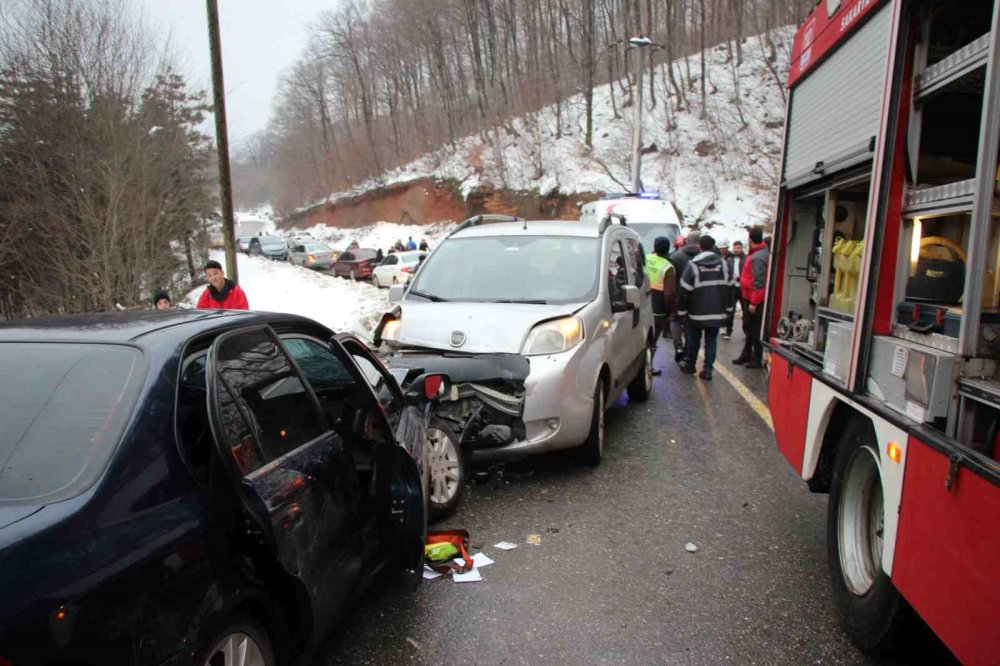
x=638, y=43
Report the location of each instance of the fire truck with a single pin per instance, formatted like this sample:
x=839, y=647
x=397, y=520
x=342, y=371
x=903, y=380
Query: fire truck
x=882, y=320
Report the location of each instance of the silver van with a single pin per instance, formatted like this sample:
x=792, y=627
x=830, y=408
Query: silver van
x=569, y=299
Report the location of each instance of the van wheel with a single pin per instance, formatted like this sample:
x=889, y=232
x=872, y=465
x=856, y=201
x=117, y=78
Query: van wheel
x=447, y=467
x=592, y=450
x=239, y=642
x=872, y=612
x=642, y=386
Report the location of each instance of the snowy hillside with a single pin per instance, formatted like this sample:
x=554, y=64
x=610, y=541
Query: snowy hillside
x=718, y=164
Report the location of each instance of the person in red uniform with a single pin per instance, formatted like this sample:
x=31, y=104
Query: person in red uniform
x=221, y=292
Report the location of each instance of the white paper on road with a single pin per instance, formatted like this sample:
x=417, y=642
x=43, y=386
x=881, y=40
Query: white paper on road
x=505, y=545
x=469, y=577
x=478, y=560
x=430, y=574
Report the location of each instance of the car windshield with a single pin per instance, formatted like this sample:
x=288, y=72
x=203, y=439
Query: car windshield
x=271, y=241
x=650, y=231
x=317, y=247
x=360, y=255
x=64, y=409
x=533, y=269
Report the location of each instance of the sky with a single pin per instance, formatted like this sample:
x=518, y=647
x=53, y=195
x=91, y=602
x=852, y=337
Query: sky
x=260, y=39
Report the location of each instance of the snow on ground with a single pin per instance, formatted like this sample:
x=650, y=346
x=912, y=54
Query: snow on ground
x=276, y=286
x=718, y=170
x=381, y=234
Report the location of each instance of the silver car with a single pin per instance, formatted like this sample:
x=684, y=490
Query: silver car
x=312, y=255
x=569, y=300
x=270, y=247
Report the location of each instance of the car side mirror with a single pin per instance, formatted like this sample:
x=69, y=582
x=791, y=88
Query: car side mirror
x=428, y=388
x=396, y=292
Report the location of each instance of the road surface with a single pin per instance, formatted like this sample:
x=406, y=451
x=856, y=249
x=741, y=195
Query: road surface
x=611, y=581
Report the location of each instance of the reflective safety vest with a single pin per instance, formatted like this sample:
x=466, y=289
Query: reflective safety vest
x=656, y=268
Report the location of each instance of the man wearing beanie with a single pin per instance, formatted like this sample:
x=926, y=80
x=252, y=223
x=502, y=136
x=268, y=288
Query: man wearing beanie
x=221, y=292
x=161, y=301
x=753, y=282
x=704, y=298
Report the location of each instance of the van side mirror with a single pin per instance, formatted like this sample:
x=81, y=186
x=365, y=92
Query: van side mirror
x=396, y=292
x=631, y=296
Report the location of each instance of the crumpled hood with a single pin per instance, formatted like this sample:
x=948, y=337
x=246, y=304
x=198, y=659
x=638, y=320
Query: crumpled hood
x=488, y=327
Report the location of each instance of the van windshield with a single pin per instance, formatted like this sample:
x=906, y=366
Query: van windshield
x=650, y=231
x=64, y=409
x=532, y=269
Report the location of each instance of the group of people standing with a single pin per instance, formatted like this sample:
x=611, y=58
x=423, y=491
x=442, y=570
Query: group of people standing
x=696, y=288
x=220, y=294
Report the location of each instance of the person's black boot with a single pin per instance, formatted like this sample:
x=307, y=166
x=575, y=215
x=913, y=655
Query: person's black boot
x=741, y=359
x=706, y=375
x=686, y=368
x=679, y=355
x=753, y=363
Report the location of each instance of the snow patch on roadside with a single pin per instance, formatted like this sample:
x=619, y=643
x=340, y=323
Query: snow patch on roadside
x=381, y=234
x=276, y=286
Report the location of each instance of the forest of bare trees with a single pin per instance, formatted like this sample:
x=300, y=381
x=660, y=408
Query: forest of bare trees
x=384, y=81
x=106, y=175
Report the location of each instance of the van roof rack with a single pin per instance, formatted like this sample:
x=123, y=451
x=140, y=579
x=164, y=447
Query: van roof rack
x=476, y=220
x=608, y=219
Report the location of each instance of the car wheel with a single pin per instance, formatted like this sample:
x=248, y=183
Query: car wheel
x=592, y=450
x=351, y=276
x=375, y=281
x=873, y=613
x=642, y=386
x=395, y=280
x=447, y=469
x=239, y=642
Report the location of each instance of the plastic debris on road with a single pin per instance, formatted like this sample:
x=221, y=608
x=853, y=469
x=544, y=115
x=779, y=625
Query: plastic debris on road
x=430, y=574
x=690, y=547
x=534, y=539
x=505, y=545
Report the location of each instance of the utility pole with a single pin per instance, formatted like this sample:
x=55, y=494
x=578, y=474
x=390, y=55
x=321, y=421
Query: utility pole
x=222, y=141
x=638, y=44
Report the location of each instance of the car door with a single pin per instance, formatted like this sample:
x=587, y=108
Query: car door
x=637, y=276
x=288, y=466
x=397, y=453
x=386, y=269
x=620, y=352
x=407, y=421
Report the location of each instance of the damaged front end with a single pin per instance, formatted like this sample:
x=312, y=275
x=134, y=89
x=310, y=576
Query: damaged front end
x=486, y=406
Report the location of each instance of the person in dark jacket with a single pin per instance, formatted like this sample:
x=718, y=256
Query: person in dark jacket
x=161, y=301
x=734, y=260
x=704, y=299
x=221, y=292
x=379, y=255
x=679, y=260
x=753, y=282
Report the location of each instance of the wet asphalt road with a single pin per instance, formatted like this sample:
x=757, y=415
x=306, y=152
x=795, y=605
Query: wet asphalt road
x=611, y=581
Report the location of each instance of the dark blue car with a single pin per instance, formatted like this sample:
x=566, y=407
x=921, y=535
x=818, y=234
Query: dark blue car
x=190, y=487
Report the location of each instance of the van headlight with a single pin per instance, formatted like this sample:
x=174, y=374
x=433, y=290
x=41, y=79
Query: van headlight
x=555, y=336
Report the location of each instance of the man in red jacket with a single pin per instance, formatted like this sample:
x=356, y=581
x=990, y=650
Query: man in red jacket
x=753, y=282
x=221, y=292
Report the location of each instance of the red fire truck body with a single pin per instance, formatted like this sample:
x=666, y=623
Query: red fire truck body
x=882, y=322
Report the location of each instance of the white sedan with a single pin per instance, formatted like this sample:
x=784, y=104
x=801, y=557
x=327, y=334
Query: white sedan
x=397, y=268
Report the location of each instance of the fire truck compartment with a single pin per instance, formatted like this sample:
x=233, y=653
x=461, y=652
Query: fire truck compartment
x=913, y=379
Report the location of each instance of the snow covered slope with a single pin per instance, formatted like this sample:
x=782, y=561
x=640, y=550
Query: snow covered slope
x=718, y=164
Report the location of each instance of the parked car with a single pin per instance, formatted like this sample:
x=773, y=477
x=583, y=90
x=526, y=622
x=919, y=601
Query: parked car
x=356, y=264
x=176, y=485
x=271, y=247
x=397, y=268
x=312, y=255
x=560, y=307
x=216, y=239
x=299, y=238
x=243, y=244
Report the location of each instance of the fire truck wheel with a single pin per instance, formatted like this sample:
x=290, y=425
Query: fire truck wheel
x=872, y=611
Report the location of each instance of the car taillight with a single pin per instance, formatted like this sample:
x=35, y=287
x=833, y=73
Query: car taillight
x=407, y=269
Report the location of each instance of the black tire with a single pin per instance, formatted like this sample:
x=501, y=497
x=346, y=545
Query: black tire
x=446, y=461
x=872, y=612
x=376, y=282
x=641, y=387
x=209, y=649
x=592, y=449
